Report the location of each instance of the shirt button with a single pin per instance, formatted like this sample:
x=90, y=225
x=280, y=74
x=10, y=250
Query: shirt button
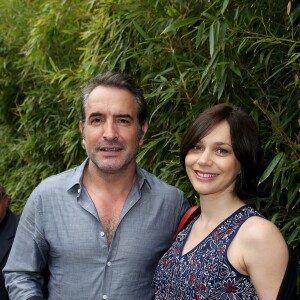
x=109, y=263
x=102, y=233
x=104, y=297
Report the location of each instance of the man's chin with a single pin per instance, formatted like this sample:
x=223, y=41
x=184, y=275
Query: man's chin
x=112, y=165
x=111, y=168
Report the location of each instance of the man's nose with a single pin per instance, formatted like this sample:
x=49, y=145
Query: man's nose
x=110, y=131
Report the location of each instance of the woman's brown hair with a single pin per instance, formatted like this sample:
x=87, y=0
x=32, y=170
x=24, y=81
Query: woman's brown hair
x=244, y=138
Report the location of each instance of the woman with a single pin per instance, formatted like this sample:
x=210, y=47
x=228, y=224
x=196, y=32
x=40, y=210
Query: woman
x=230, y=251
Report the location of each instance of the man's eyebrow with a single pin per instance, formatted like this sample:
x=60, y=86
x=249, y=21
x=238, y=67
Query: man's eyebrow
x=95, y=114
x=124, y=116
x=99, y=114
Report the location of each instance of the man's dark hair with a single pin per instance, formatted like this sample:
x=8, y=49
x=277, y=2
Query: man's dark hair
x=117, y=80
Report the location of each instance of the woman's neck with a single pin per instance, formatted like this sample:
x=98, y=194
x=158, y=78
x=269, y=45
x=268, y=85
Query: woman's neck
x=219, y=207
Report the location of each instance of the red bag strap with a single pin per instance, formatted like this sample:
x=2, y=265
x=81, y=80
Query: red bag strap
x=186, y=217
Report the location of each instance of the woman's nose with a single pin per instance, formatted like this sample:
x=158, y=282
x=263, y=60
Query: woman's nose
x=205, y=158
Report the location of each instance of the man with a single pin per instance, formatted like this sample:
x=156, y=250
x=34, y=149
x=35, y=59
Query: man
x=103, y=225
x=8, y=227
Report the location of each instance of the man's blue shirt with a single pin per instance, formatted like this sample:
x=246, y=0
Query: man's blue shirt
x=60, y=225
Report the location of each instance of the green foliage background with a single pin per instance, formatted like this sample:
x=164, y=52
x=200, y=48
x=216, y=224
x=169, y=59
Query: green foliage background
x=187, y=55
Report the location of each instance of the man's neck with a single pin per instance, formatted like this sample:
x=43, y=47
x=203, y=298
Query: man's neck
x=119, y=182
x=109, y=193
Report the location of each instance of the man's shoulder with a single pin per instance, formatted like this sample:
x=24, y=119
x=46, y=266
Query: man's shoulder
x=74, y=173
x=60, y=176
x=65, y=179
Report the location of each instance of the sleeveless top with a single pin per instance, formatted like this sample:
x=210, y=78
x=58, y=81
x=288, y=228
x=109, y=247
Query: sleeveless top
x=205, y=271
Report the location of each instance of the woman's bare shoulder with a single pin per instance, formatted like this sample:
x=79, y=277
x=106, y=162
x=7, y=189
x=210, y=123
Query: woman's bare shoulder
x=264, y=252
x=259, y=229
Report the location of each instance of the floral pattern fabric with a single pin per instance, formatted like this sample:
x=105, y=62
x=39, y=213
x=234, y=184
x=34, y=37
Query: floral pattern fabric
x=204, y=272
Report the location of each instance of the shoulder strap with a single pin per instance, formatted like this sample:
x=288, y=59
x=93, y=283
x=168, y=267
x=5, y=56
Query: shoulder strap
x=188, y=215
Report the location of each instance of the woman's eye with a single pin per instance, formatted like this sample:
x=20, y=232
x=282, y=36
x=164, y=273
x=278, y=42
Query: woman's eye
x=197, y=148
x=222, y=151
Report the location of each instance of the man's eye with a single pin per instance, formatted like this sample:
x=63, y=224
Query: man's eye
x=96, y=121
x=123, y=121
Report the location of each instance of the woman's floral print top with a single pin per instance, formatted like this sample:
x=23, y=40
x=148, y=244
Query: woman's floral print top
x=204, y=272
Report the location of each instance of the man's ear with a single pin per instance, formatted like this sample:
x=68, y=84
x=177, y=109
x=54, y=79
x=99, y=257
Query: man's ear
x=81, y=127
x=143, y=133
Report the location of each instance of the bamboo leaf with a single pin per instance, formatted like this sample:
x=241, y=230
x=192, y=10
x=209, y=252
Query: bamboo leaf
x=140, y=30
x=288, y=224
x=54, y=67
x=224, y=6
x=180, y=23
x=210, y=64
x=294, y=57
x=200, y=33
x=211, y=39
x=235, y=69
x=222, y=35
x=221, y=86
x=278, y=172
x=271, y=167
x=294, y=236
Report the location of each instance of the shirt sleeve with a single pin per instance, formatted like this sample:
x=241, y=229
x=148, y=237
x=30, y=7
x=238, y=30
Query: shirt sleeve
x=27, y=258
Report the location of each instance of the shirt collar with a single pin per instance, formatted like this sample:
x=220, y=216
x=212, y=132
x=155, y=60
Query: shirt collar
x=76, y=177
x=142, y=178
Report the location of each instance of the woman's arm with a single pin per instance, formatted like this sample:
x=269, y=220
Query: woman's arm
x=265, y=255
